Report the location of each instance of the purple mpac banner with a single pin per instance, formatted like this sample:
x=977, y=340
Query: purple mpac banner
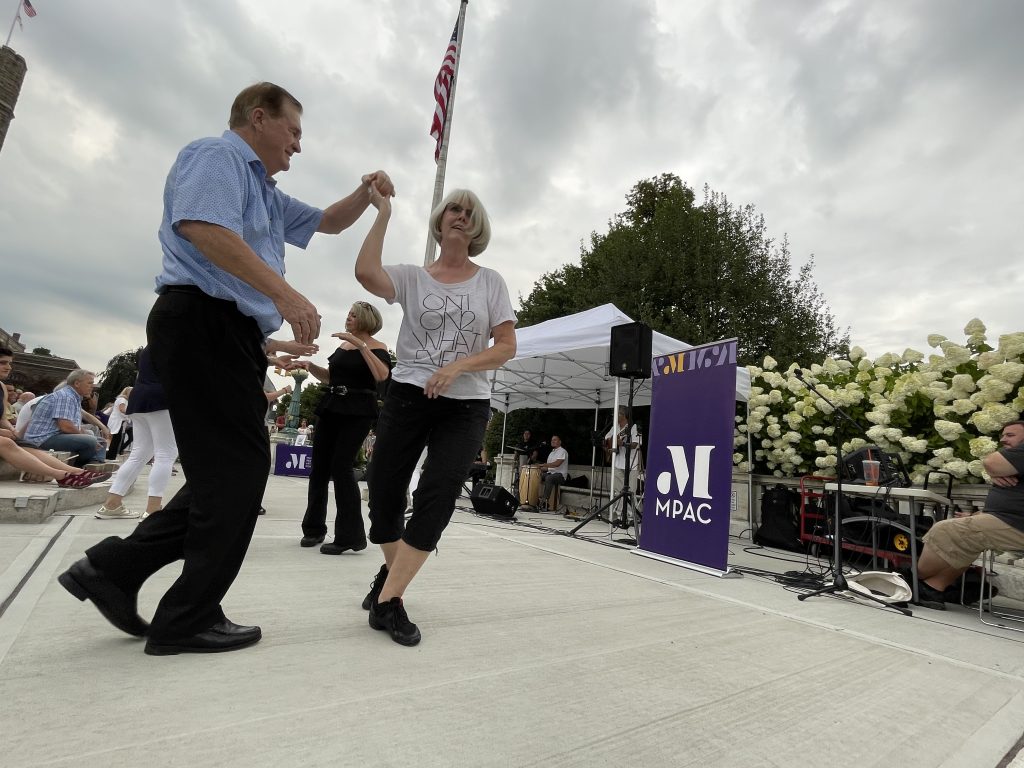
x=688, y=492
x=294, y=460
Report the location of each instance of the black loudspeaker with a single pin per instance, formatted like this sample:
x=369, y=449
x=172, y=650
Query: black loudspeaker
x=891, y=471
x=490, y=499
x=629, y=353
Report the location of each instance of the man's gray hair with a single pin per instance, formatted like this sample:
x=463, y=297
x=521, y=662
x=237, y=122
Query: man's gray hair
x=77, y=375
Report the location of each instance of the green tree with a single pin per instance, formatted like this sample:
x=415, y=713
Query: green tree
x=42, y=351
x=699, y=271
x=121, y=372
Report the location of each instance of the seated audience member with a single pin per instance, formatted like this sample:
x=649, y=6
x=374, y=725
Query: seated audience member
x=23, y=398
x=556, y=470
x=57, y=421
x=952, y=545
x=10, y=398
x=35, y=462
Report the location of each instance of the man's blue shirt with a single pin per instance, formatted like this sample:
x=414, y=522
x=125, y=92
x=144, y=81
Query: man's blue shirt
x=65, y=403
x=222, y=181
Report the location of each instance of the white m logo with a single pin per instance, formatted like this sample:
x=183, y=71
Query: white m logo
x=681, y=469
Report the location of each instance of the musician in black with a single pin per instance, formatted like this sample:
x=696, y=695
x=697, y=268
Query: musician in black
x=346, y=412
x=527, y=449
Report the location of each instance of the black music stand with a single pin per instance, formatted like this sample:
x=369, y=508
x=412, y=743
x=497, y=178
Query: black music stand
x=515, y=472
x=839, y=583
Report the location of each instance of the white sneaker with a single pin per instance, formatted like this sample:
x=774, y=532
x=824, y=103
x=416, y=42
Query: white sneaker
x=118, y=513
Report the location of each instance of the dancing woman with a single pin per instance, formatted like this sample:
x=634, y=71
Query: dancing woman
x=439, y=397
x=345, y=416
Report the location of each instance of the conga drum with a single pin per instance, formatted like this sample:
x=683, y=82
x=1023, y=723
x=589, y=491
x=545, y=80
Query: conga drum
x=529, y=486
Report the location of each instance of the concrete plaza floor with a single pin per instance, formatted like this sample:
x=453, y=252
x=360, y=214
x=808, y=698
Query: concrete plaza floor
x=538, y=650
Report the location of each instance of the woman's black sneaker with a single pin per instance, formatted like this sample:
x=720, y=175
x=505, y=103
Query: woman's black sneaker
x=334, y=548
x=376, y=587
x=392, y=617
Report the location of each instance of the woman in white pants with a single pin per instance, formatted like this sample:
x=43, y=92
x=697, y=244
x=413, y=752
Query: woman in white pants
x=154, y=439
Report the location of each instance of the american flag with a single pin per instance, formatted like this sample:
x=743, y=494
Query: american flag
x=29, y=10
x=442, y=90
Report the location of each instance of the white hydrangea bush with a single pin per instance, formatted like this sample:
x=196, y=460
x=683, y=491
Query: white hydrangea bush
x=943, y=411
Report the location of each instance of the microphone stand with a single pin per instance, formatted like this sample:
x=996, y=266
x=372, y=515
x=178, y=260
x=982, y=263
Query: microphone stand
x=839, y=583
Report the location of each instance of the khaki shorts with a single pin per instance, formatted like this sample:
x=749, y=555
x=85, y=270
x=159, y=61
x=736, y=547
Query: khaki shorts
x=960, y=540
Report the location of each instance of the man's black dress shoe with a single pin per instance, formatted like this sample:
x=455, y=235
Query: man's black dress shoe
x=335, y=548
x=222, y=636
x=118, y=607
x=312, y=541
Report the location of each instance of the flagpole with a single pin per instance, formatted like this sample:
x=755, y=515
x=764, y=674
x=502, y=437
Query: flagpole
x=442, y=158
x=10, y=32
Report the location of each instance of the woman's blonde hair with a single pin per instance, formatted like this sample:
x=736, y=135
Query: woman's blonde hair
x=368, y=317
x=479, y=225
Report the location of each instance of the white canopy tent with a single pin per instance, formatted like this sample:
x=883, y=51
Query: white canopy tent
x=563, y=363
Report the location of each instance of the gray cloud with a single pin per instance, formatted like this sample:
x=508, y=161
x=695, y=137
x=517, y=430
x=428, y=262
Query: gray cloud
x=881, y=137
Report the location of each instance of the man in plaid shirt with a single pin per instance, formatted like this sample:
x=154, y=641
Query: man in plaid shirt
x=57, y=422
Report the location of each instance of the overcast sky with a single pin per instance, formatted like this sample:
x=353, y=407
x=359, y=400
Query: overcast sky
x=884, y=138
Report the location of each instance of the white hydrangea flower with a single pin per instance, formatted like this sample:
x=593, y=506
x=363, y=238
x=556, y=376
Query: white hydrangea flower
x=976, y=468
x=912, y=356
x=777, y=473
x=1011, y=373
x=943, y=454
x=821, y=445
x=822, y=406
x=824, y=462
x=1011, y=345
x=831, y=367
x=736, y=458
x=963, y=382
x=914, y=444
x=948, y=430
x=877, y=417
x=993, y=417
x=844, y=365
x=743, y=466
x=760, y=411
x=982, y=446
x=766, y=443
x=962, y=407
x=974, y=327
x=957, y=468
x=882, y=373
x=830, y=430
x=817, y=429
x=893, y=435
x=856, y=353
x=770, y=363
x=955, y=354
x=877, y=386
x=987, y=359
x=774, y=430
x=738, y=440
x=742, y=428
x=854, y=444
x=863, y=377
x=754, y=373
x=865, y=365
x=793, y=419
x=886, y=360
x=775, y=397
x=942, y=411
x=795, y=386
x=772, y=418
x=935, y=339
x=792, y=437
x=816, y=369
x=876, y=433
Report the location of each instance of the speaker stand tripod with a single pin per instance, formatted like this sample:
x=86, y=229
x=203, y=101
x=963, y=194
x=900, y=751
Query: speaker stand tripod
x=839, y=583
x=625, y=498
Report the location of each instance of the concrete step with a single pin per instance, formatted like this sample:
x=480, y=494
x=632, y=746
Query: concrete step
x=35, y=502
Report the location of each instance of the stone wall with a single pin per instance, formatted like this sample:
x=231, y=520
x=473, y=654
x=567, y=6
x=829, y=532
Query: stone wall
x=12, y=74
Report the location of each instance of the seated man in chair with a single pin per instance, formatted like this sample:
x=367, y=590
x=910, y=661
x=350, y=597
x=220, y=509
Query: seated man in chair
x=951, y=546
x=556, y=470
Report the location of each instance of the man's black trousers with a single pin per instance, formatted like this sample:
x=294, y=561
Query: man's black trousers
x=211, y=362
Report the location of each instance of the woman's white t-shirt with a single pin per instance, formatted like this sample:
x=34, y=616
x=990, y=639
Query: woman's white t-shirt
x=445, y=322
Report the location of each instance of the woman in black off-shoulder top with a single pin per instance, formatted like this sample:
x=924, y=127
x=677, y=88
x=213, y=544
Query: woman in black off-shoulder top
x=345, y=415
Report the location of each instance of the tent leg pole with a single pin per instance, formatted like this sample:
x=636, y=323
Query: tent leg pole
x=750, y=476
